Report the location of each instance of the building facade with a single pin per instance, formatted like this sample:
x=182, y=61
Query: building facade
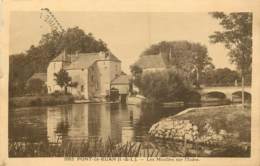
x=93, y=73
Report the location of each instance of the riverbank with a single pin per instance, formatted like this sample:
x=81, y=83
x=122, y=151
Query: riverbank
x=221, y=128
x=43, y=100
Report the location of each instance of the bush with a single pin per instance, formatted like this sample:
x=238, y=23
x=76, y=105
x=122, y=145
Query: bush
x=57, y=93
x=40, y=100
x=168, y=85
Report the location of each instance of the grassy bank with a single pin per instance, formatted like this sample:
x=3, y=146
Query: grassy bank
x=221, y=130
x=46, y=100
x=232, y=118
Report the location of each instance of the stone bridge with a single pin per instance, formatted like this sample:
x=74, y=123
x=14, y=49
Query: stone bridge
x=224, y=91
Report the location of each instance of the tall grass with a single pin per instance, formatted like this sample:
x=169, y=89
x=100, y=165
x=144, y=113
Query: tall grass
x=108, y=148
x=87, y=148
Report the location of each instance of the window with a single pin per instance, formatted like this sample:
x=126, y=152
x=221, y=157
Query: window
x=82, y=88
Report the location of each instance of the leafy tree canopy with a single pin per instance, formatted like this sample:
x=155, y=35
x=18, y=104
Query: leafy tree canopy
x=221, y=77
x=63, y=79
x=36, y=86
x=167, y=85
x=236, y=36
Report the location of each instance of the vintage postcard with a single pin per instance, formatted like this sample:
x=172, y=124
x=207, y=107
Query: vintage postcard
x=129, y=82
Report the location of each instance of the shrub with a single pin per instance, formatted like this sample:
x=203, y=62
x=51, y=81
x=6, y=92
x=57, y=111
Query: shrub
x=167, y=85
x=57, y=93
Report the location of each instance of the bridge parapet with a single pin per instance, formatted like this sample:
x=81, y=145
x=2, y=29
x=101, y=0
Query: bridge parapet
x=228, y=90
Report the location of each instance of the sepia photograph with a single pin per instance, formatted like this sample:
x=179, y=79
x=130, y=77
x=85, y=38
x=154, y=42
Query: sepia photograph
x=130, y=84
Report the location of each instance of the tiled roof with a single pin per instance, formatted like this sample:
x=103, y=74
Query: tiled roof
x=122, y=79
x=113, y=58
x=84, y=60
x=151, y=61
x=40, y=76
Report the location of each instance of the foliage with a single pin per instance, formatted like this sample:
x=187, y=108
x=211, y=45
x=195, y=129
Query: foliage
x=190, y=57
x=137, y=75
x=63, y=79
x=46, y=100
x=236, y=36
x=168, y=85
x=136, y=69
x=221, y=77
x=36, y=86
x=37, y=58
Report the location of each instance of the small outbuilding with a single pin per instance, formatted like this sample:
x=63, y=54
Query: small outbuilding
x=122, y=84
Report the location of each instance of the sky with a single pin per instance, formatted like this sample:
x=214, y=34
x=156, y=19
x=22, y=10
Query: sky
x=127, y=34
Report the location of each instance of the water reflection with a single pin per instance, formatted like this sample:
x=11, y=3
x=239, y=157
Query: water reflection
x=77, y=122
x=28, y=124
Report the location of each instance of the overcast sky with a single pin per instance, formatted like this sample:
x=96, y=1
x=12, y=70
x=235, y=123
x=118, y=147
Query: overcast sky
x=126, y=34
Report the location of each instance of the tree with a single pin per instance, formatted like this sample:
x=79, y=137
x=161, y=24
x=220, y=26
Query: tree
x=167, y=85
x=137, y=75
x=63, y=79
x=237, y=38
x=221, y=77
x=191, y=58
x=36, y=86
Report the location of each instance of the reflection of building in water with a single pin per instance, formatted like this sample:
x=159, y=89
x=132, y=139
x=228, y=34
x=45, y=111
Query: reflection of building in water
x=93, y=120
x=116, y=130
x=54, y=119
x=127, y=134
x=134, y=113
x=105, y=121
x=67, y=123
x=129, y=117
x=78, y=122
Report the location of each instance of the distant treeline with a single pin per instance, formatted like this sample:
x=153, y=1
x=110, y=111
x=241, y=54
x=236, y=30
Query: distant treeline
x=37, y=58
x=224, y=77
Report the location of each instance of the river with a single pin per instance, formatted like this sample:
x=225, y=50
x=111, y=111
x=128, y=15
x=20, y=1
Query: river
x=76, y=122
